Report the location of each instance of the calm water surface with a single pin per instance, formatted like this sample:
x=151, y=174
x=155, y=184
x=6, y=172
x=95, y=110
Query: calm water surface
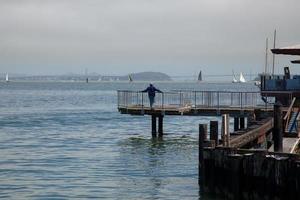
x=67, y=140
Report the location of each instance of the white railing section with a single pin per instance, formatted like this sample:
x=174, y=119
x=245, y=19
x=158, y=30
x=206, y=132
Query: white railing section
x=195, y=99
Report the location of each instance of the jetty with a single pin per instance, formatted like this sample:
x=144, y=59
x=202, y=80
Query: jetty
x=242, y=106
x=260, y=158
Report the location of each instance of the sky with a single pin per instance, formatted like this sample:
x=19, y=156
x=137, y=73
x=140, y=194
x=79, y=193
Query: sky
x=117, y=37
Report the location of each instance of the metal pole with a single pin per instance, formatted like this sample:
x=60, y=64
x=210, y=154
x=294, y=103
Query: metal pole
x=274, y=45
x=266, y=61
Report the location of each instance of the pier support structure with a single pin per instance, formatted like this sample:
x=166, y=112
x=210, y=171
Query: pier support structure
x=225, y=130
x=242, y=123
x=153, y=118
x=278, y=127
x=154, y=125
x=160, y=125
x=236, y=124
x=213, y=127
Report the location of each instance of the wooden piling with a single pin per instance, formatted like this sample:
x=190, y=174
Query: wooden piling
x=160, y=126
x=242, y=123
x=236, y=124
x=202, y=134
x=278, y=127
x=153, y=117
x=225, y=130
x=213, y=126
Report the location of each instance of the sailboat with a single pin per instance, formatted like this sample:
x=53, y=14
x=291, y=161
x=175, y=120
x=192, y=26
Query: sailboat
x=6, y=78
x=242, y=78
x=234, y=80
x=200, y=76
x=130, y=78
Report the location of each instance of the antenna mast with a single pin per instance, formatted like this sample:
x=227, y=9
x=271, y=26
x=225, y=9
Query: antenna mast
x=266, y=61
x=274, y=45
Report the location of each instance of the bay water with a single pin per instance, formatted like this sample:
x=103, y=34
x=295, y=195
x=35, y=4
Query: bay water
x=67, y=140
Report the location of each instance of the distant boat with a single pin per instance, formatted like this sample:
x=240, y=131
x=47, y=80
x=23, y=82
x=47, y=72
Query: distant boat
x=130, y=78
x=234, y=80
x=200, y=76
x=6, y=78
x=242, y=78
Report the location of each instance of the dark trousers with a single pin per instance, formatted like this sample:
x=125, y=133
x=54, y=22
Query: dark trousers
x=151, y=99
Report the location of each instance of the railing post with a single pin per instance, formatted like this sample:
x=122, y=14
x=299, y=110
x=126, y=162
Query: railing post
x=142, y=100
x=218, y=96
x=241, y=101
x=195, y=99
x=162, y=100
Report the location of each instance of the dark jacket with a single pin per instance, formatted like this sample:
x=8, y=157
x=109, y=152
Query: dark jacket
x=151, y=91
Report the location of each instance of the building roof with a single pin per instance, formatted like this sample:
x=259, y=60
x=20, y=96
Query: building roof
x=295, y=61
x=290, y=50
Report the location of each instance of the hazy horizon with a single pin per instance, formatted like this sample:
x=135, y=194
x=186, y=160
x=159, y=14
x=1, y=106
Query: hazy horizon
x=117, y=37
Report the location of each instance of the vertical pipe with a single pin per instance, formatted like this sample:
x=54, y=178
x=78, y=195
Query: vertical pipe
x=160, y=125
x=213, y=129
x=202, y=133
x=153, y=125
x=277, y=129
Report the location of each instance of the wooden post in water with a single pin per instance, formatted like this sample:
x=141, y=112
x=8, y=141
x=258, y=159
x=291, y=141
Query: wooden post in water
x=236, y=124
x=202, y=135
x=153, y=117
x=160, y=125
x=278, y=128
x=225, y=130
x=242, y=123
x=214, y=132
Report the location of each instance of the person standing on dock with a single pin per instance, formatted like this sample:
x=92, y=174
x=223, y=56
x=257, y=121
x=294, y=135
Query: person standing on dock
x=151, y=93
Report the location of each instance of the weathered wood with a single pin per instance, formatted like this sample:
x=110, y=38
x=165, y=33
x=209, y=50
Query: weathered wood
x=236, y=124
x=278, y=128
x=160, y=125
x=153, y=120
x=251, y=174
x=214, y=132
x=225, y=130
x=255, y=132
x=235, y=168
x=202, y=133
x=242, y=123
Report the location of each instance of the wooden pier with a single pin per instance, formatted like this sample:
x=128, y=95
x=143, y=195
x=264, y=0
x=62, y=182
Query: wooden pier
x=257, y=160
x=239, y=105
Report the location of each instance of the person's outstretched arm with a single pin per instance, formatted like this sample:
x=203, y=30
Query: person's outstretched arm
x=157, y=90
x=145, y=90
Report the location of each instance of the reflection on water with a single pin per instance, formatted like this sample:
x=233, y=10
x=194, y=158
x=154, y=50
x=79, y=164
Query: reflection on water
x=162, y=164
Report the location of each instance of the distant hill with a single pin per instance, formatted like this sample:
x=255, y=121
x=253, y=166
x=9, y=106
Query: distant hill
x=148, y=76
x=143, y=76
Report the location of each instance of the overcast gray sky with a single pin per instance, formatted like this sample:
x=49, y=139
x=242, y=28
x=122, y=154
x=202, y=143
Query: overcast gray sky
x=178, y=37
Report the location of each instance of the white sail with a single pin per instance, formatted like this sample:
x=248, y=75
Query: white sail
x=234, y=80
x=6, y=78
x=242, y=78
x=130, y=78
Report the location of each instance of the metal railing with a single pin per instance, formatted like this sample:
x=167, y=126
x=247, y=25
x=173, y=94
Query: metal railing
x=195, y=99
